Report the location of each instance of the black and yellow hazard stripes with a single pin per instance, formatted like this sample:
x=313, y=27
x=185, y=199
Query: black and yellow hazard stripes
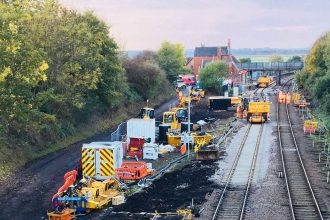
x=88, y=162
x=106, y=162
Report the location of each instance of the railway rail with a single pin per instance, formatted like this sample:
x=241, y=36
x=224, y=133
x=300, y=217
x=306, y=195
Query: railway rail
x=232, y=201
x=302, y=200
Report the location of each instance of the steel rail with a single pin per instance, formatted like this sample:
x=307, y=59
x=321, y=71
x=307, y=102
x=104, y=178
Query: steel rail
x=283, y=164
x=252, y=169
x=232, y=169
x=250, y=175
x=300, y=160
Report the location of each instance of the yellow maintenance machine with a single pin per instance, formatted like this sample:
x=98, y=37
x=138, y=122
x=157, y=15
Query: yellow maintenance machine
x=88, y=194
x=181, y=113
x=184, y=101
x=195, y=95
x=258, y=112
x=183, y=214
x=99, y=194
x=171, y=118
x=201, y=92
x=147, y=113
x=264, y=81
x=174, y=138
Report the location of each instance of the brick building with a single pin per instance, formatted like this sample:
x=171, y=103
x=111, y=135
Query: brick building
x=204, y=55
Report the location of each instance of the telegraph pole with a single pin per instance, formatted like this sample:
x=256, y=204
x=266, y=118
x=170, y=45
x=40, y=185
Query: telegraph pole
x=189, y=90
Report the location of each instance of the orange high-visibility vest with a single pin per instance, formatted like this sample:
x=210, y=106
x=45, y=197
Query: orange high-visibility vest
x=183, y=149
x=288, y=98
x=180, y=95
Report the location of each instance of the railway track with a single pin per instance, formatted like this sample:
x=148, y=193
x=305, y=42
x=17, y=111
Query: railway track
x=233, y=198
x=302, y=200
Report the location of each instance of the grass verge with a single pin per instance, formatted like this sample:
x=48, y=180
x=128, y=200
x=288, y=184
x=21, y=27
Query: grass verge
x=8, y=157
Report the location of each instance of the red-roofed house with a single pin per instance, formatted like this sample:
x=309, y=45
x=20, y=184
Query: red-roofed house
x=204, y=55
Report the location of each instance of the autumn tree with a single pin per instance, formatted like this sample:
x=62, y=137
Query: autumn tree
x=145, y=76
x=57, y=69
x=213, y=75
x=315, y=77
x=172, y=60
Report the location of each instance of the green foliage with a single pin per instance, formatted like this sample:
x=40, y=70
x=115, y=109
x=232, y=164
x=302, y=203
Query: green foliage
x=60, y=72
x=295, y=59
x=145, y=76
x=172, y=60
x=315, y=77
x=212, y=76
x=57, y=69
x=245, y=60
x=275, y=58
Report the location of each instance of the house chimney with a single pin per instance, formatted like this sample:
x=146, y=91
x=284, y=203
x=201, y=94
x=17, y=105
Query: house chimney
x=229, y=50
x=228, y=46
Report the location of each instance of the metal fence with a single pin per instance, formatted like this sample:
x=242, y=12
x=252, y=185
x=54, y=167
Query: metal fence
x=274, y=66
x=120, y=133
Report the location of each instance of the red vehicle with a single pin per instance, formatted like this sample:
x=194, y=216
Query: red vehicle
x=189, y=80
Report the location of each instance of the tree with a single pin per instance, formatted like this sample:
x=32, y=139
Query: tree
x=58, y=68
x=295, y=59
x=145, y=76
x=245, y=60
x=315, y=77
x=22, y=69
x=212, y=76
x=172, y=60
x=275, y=58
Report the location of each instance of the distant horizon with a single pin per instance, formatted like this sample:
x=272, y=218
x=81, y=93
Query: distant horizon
x=243, y=48
x=241, y=52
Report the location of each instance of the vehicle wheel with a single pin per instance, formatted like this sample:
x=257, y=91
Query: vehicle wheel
x=248, y=117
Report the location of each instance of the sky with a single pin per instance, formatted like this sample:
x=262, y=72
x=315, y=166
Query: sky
x=145, y=24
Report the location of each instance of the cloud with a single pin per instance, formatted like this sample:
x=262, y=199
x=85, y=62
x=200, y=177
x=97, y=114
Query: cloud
x=296, y=28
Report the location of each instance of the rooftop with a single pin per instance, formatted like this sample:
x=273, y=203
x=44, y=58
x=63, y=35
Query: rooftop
x=206, y=51
x=210, y=51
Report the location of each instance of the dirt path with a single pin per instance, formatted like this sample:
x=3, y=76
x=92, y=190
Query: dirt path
x=27, y=194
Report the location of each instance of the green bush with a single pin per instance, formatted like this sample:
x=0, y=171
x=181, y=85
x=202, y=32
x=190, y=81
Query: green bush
x=212, y=76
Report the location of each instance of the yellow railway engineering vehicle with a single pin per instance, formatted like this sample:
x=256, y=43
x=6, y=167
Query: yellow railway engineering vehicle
x=258, y=112
x=195, y=95
x=201, y=92
x=296, y=97
x=99, y=194
x=147, y=113
x=185, y=214
x=184, y=101
x=264, y=81
x=174, y=138
x=181, y=113
x=235, y=100
x=87, y=195
x=171, y=118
